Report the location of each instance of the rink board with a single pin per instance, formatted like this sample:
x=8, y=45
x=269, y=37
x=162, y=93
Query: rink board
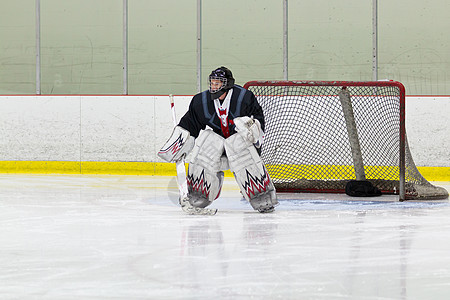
x=169, y=169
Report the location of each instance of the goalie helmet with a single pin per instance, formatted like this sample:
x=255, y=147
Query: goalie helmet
x=220, y=81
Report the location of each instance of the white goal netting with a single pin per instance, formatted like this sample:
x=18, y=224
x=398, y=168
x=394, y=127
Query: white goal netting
x=307, y=148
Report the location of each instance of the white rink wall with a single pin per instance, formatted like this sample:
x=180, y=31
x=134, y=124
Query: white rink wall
x=133, y=128
x=428, y=130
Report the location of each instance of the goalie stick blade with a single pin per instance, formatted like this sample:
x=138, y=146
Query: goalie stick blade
x=191, y=210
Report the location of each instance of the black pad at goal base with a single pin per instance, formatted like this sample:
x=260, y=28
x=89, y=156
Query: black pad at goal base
x=361, y=188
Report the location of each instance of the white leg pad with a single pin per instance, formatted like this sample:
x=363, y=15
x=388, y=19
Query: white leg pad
x=250, y=173
x=205, y=177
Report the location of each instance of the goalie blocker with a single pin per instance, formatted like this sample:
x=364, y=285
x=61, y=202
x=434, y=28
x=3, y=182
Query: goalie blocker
x=178, y=146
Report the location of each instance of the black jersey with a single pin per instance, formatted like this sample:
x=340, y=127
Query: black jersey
x=202, y=113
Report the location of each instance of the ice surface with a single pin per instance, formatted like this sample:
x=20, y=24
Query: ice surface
x=124, y=237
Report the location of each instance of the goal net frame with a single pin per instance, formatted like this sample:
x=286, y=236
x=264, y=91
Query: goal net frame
x=409, y=184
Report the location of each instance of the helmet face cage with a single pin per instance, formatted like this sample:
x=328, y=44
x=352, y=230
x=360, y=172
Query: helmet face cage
x=220, y=79
x=216, y=84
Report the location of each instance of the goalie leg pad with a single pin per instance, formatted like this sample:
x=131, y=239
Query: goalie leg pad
x=177, y=146
x=265, y=203
x=250, y=173
x=205, y=177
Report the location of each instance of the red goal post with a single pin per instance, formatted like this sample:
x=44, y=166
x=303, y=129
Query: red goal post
x=321, y=134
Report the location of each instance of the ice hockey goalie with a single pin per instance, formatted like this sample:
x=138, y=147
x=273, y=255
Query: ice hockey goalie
x=227, y=124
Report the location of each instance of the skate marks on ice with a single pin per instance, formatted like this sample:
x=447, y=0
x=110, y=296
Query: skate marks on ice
x=86, y=237
x=232, y=201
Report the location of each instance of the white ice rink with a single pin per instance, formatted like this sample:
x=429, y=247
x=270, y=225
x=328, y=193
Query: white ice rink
x=124, y=237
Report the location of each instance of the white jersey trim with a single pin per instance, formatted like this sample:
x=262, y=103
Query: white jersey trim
x=224, y=106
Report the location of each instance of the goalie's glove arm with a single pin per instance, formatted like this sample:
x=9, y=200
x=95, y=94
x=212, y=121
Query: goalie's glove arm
x=250, y=129
x=178, y=146
x=254, y=110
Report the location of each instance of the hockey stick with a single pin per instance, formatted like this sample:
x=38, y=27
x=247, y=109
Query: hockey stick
x=186, y=206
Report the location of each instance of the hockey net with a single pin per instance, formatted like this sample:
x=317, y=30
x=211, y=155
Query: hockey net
x=309, y=143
